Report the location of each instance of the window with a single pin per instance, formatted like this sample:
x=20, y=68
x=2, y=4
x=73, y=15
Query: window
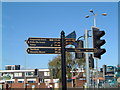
x=31, y=81
x=10, y=81
x=17, y=74
x=46, y=73
x=29, y=73
x=110, y=69
x=20, y=81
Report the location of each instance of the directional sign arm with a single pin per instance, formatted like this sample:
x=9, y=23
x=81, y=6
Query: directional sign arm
x=57, y=50
x=43, y=50
x=80, y=50
x=47, y=42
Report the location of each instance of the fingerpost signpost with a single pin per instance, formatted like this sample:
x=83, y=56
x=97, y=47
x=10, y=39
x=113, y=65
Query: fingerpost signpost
x=56, y=46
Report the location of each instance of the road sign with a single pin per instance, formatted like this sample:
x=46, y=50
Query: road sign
x=43, y=51
x=81, y=50
x=47, y=42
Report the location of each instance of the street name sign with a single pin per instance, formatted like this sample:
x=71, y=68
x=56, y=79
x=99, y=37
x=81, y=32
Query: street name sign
x=47, y=42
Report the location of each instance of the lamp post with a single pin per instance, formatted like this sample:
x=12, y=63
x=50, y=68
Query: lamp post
x=93, y=14
x=94, y=21
x=87, y=60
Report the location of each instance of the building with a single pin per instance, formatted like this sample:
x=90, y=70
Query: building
x=12, y=67
x=40, y=78
x=17, y=78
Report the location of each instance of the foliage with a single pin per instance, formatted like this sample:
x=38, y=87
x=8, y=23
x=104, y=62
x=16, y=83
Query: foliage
x=71, y=63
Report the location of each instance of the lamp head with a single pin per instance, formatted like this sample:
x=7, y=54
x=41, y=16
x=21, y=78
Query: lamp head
x=87, y=16
x=104, y=14
x=91, y=10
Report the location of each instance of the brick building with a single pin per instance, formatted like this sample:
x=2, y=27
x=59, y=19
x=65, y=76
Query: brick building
x=29, y=79
x=20, y=78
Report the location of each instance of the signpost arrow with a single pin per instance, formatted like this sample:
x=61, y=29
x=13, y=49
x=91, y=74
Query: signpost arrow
x=47, y=50
x=47, y=42
x=43, y=50
x=81, y=50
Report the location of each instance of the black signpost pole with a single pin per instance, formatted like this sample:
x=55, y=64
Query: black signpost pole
x=63, y=61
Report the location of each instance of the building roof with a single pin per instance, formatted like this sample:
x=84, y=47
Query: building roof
x=32, y=70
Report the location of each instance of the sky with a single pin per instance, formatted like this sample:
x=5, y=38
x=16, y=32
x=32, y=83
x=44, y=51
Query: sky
x=60, y=0
x=21, y=20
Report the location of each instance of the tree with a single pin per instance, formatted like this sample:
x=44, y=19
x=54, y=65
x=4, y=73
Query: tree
x=55, y=65
x=80, y=62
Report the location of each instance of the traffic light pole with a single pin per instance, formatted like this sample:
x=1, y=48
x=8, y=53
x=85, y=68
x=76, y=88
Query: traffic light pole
x=87, y=59
x=63, y=61
x=93, y=55
x=97, y=72
x=97, y=42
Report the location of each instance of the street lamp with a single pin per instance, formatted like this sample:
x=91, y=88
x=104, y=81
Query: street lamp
x=104, y=14
x=93, y=14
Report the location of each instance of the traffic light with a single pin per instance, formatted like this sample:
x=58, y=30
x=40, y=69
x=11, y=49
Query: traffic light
x=97, y=42
x=104, y=69
x=36, y=72
x=101, y=69
x=91, y=61
x=79, y=44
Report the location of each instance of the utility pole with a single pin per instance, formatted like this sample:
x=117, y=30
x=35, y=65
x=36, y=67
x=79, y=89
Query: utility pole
x=97, y=72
